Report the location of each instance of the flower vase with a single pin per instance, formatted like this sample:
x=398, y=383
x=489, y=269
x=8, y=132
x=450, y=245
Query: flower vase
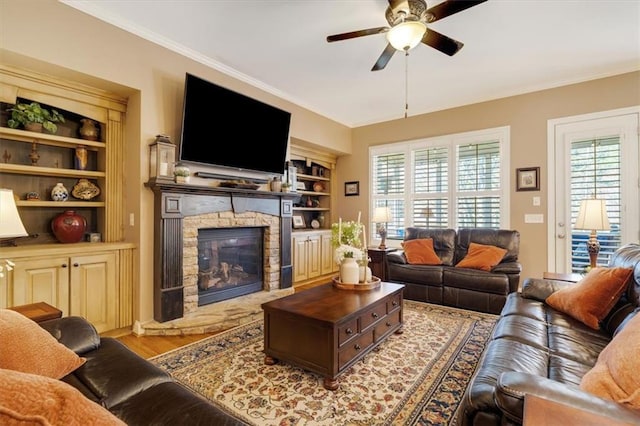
x=69, y=227
x=365, y=274
x=349, y=271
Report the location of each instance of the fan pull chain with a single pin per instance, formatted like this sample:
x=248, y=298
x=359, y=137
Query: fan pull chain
x=406, y=83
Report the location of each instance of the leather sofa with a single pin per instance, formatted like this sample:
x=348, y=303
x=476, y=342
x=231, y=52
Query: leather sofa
x=537, y=350
x=459, y=287
x=133, y=389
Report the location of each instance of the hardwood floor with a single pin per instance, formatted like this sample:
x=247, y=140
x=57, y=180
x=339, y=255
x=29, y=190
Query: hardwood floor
x=150, y=346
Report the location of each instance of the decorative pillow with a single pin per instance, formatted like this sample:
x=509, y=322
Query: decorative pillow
x=29, y=348
x=480, y=256
x=615, y=375
x=29, y=399
x=591, y=299
x=420, y=251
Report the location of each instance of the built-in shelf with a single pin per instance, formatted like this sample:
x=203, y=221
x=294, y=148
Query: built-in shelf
x=40, y=203
x=49, y=171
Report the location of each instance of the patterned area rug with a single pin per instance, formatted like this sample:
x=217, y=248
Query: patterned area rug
x=414, y=378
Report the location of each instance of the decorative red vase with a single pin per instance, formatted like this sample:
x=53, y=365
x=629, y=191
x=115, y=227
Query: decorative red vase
x=69, y=227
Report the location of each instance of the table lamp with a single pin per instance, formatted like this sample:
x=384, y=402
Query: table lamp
x=593, y=216
x=382, y=215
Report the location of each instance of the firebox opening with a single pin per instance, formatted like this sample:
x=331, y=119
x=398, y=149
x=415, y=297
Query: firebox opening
x=230, y=263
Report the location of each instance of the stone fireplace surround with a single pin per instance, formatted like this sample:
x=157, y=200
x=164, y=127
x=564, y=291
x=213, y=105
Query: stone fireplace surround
x=181, y=209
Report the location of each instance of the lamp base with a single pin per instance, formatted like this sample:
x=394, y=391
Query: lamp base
x=593, y=247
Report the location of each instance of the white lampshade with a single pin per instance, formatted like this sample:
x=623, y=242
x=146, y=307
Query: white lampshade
x=382, y=215
x=593, y=215
x=406, y=35
x=10, y=224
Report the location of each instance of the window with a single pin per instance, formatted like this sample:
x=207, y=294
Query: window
x=595, y=173
x=454, y=181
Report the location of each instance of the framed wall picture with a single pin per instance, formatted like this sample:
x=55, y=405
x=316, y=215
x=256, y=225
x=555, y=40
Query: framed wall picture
x=298, y=221
x=528, y=179
x=352, y=188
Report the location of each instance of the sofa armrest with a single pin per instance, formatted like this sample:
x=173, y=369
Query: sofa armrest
x=397, y=257
x=509, y=268
x=539, y=288
x=76, y=333
x=512, y=387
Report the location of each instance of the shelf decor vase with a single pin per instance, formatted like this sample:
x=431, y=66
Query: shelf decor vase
x=88, y=130
x=59, y=192
x=69, y=227
x=349, y=271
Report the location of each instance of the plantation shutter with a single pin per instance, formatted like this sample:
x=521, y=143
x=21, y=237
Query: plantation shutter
x=389, y=187
x=430, y=205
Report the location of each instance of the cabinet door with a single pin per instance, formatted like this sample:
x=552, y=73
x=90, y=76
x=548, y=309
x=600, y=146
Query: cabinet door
x=326, y=261
x=300, y=269
x=44, y=279
x=313, y=255
x=93, y=285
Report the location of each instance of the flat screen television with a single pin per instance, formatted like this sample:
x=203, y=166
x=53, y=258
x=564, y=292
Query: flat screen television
x=224, y=128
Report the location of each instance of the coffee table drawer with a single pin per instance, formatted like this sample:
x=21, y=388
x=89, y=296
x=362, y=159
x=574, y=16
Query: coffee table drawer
x=389, y=324
x=353, y=349
x=394, y=303
x=347, y=331
x=372, y=315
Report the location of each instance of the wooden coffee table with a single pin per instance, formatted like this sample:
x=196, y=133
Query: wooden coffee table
x=326, y=330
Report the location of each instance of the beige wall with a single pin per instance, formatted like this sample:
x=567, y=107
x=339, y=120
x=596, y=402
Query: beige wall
x=153, y=77
x=527, y=116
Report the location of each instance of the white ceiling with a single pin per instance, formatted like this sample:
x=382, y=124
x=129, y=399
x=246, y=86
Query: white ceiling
x=510, y=47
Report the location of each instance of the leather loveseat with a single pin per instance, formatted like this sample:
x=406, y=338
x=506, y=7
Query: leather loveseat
x=538, y=350
x=129, y=386
x=447, y=284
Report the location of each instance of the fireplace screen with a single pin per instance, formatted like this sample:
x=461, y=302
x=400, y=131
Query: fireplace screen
x=230, y=263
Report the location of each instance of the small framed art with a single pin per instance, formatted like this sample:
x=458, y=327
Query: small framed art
x=528, y=179
x=352, y=188
x=298, y=221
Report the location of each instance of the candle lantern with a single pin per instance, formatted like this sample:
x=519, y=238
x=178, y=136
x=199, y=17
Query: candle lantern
x=162, y=156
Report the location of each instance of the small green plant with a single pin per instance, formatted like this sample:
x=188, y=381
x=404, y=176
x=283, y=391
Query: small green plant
x=24, y=114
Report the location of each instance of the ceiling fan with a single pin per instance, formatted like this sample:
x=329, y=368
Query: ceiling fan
x=408, y=20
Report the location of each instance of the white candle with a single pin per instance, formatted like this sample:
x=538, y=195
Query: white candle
x=364, y=238
x=164, y=169
x=359, y=218
x=339, y=231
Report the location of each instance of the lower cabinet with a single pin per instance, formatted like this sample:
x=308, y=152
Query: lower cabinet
x=95, y=285
x=312, y=254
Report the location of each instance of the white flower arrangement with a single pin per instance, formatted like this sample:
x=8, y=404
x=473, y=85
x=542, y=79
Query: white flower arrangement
x=347, y=251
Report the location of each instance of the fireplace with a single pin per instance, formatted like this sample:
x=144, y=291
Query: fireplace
x=185, y=212
x=230, y=263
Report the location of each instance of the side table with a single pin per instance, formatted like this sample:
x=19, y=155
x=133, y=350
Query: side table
x=38, y=312
x=378, y=262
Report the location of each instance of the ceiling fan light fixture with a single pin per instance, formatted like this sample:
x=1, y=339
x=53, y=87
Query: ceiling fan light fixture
x=406, y=35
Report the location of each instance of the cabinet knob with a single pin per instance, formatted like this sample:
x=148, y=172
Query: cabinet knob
x=357, y=347
x=388, y=324
x=64, y=265
x=394, y=303
x=349, y=331
x=75, y=265
x=375, y=315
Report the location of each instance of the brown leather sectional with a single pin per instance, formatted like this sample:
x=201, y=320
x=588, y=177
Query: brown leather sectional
x=459, y=287
x=135, y=390
x=537, y=350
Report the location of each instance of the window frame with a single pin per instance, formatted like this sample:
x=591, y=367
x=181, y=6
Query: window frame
x=450, y=141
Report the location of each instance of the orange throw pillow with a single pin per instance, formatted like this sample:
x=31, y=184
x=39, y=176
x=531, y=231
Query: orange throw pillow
x=480, y=256
x=27, y=347
x=615, y=375
x=420, y=251
x=591, y=299
x=29, y=399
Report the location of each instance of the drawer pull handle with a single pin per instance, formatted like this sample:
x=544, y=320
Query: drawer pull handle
x=357, y=347
x=388, y=323
x=64, y=265
x=394, y=303
x=76, y=265
x=375, y=315
x=349, y=331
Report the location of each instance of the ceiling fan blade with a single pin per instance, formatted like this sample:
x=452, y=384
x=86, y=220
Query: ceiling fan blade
x=384, y=58
x=441, y=42
x=359, y=33
x=449, y=7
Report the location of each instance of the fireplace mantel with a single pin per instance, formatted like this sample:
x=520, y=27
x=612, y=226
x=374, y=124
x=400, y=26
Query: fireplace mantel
x=174, y=202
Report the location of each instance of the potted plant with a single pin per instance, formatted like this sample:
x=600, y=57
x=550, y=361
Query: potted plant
x=181, y=173
x=33, y=117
